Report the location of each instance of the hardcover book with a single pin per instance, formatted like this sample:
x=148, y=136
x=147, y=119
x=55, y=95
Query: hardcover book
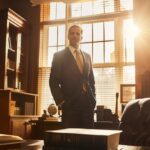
x=80, y=139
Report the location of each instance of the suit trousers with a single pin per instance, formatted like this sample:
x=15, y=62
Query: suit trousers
x=79, y=114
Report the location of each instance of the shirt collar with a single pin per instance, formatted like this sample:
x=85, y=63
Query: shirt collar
x=72, y=49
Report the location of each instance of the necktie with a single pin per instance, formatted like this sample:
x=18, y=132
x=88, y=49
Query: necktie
x=79, y=60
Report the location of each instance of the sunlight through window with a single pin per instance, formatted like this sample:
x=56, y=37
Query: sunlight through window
x=129, y=33
x=126, y=4
x=108, y=36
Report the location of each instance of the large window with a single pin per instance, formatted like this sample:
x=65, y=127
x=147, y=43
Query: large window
x=92, y=8
x=107, y=27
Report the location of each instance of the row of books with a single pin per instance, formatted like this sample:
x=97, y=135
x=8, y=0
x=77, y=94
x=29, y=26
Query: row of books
x=14, y=110
x=29, y=108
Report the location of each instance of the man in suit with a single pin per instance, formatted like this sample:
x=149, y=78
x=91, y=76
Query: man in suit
x=72, y=83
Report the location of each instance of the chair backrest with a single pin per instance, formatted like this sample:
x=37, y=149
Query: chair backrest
x=135, y=123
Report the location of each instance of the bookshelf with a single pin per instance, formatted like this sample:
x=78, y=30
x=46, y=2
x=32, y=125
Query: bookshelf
x=16, y=108
x=16, y=105
x=13, y=51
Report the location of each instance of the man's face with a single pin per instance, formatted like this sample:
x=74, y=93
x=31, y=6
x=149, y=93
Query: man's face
x=75, y=36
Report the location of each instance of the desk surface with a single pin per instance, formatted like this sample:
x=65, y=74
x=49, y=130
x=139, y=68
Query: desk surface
x=38, y=145
x=126, y=147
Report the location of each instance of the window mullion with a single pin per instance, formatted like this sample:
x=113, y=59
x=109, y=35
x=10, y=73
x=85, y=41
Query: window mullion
x=104, y=42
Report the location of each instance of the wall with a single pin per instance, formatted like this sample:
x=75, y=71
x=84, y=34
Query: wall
x=142, y=47
x=32, y=15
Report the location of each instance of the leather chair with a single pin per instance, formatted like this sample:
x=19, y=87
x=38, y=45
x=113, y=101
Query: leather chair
x=135, y=123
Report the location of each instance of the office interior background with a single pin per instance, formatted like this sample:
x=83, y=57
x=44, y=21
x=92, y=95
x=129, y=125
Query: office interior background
x=115, y=34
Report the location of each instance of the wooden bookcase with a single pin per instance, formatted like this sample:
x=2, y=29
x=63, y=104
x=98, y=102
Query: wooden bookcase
x=16, y=109
x=13, y=50
x=16, y=105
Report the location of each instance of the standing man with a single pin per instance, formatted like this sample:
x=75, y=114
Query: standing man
x=72, y=83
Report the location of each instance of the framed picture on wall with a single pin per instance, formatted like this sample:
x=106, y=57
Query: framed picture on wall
x=127, y=92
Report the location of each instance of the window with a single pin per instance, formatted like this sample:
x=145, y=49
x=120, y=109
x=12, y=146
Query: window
x=57, y=11
x=126, y=4
x=107, y=27
x=92, y=8
x=128, y=40
x=98, y=41
x=55, y=42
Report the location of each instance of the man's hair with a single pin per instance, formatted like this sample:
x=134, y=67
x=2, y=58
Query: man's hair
x=75, y=25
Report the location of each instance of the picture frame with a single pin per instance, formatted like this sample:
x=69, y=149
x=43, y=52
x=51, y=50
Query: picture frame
x=127, y=92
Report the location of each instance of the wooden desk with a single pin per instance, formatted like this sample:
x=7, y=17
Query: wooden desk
x=38, y=145
x=120, y=147
x=127, y=147
x=38, y=127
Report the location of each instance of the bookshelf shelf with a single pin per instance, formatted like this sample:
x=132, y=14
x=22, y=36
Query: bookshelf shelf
x=16, y=103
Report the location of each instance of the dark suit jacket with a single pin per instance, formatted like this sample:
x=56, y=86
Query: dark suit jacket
x=66, y=81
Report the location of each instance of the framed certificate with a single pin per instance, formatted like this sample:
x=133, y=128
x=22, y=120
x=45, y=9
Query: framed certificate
x=127, y=92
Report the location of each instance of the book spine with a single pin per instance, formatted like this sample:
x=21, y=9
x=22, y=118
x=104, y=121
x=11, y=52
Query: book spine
x=76, y=141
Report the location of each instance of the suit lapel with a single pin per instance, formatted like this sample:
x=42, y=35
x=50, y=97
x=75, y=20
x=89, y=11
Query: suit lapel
x=71, y=60
x=85, y=63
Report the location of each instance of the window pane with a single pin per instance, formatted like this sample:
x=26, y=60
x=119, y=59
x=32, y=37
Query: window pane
x=105, y=83
x=87, y=32
x=57, y=10
x=52, y=11
x=52, y=41
x=109, y=30
x=61, y=10
x=109, y=52
x=51, y=51
x=129, y=75
x=75, y=9
x=128, y=36
x=87, y=48
x=98, y=7
x=98, y=31
x=130, y=50
x=86, y=8
x=61, y=35
x=109, y=6
x=126, y=4
x=98, y=53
